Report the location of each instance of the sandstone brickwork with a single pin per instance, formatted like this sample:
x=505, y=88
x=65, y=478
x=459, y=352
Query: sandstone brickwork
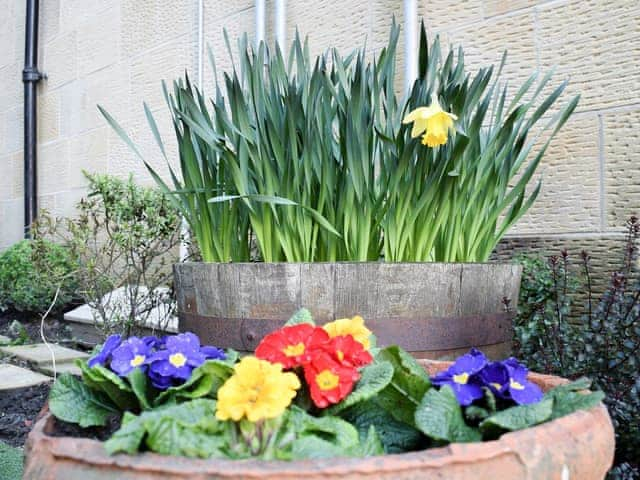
x=116, y=52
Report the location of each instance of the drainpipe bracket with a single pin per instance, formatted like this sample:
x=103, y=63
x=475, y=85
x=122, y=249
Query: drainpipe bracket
x=32, y=74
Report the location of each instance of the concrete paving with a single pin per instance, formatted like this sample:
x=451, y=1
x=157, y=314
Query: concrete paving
x=60, y=368
x=39, y=353
x=12, y=377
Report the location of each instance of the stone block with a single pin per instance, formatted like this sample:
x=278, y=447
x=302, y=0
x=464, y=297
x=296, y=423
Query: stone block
x=166, y=62
x=441, y=15
x=48, y=116
x=99, y=42
x=485, y=42
x=12, y=377
x=88, y=151
x=11, y=219
x=11, y=86
x=53, y=167
x=60, y=60
x=146, y=24
x=498, y=7
x=569, y=200
x=76, y=12
x=40, y=353
x=13, y=130
x=344, y=25
x=49, y=18
x=622, y=166
x=597, y=44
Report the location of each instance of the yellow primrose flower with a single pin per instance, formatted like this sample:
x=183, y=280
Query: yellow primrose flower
x=432, y=121
x=257, y=390
x=350, y=326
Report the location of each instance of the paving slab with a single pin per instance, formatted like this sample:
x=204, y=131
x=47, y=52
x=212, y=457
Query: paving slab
x=116, y=304
x=60, y=368
x=40, y=355
x=12, y=377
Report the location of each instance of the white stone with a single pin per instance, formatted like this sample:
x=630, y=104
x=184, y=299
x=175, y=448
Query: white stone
x=116, y=303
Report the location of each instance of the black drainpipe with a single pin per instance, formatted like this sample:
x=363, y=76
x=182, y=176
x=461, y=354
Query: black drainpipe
x=30, y=77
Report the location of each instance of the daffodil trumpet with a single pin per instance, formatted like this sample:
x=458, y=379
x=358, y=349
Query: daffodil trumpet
x=432, y=122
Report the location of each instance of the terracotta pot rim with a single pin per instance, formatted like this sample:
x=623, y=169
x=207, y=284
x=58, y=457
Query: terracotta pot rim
x=87, y=451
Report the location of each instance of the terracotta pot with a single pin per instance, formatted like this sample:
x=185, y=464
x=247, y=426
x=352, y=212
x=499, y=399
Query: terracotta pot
x=578, y=446
x=433, y=310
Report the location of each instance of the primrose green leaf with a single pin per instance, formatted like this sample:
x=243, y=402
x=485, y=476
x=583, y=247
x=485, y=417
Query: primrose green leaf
x=301, y=316
x=409, y=383
x=72, y=401
x=204, y=381
x=102, y=379
x=474, y=412
x=128, y=437
x=518, y=417
x=140, y=385
x=189, y=429
x=374, y=378
x=439, y=416
x=573, y=397
x=396, y=436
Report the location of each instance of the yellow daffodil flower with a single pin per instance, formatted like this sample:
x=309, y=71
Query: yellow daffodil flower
x=432, y=122
x=257, y=390
x=350, y=326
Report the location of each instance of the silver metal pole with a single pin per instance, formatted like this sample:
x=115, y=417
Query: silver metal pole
x=280, y=21
x=260, y=21
x=410, y=42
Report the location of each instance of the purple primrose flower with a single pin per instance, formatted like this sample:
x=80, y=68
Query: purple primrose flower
x=521, y=390
x=133, y=352
x=104, y=355
x=463, y=377
x=181, y=354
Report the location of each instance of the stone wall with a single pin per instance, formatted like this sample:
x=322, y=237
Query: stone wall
x=115, y=52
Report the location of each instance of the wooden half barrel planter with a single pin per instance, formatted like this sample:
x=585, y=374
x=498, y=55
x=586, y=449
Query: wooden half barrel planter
x=433, y=310
x=577, y=446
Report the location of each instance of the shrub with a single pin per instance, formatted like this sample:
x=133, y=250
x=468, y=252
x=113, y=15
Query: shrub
x=30, y=274
x=125, y=237
x=603, y=343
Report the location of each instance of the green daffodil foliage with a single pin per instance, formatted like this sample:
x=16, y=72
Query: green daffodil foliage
x=321, y=159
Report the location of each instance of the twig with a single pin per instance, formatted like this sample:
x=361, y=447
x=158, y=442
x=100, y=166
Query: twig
x=42, y=335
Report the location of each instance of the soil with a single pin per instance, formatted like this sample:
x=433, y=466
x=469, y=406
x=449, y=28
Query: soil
x=64, y=429
x=18, y=411
x=55, y=329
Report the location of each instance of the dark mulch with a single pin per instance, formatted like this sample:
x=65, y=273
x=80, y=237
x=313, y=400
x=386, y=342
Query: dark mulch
x=18, y=411
x=64, y=429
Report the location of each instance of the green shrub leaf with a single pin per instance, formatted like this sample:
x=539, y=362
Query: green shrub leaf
x=72, y=401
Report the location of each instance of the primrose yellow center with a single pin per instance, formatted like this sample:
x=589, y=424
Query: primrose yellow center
x=462, y=378
x=294, y=350
x=177, y=359
x=137, y=360
x=340, y=355
x=515, y=385
x=327, y=380
x=497, y=386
